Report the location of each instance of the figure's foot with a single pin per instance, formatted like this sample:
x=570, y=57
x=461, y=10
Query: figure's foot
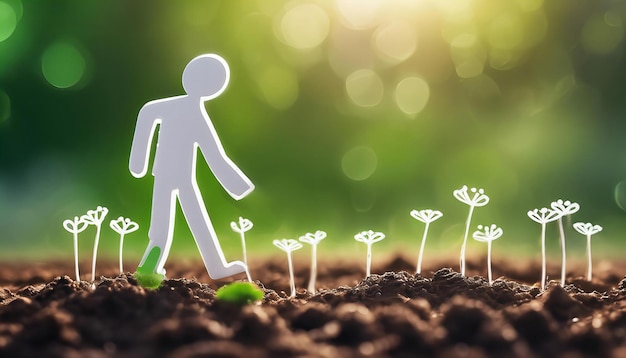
x=218, y=271
x=147, y=275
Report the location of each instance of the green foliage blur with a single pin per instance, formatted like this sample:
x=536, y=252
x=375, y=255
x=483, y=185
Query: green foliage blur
x=346, y=114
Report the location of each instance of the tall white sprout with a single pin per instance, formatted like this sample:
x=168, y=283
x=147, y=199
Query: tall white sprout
x=488, y=234
x=564, y=208
x=95, y=217
x=289, y=245
x=478, y=199
x=123, y=226
x=588, y=229
x=369, y=237
x=244, y=225
x=75, y=227
x=543, y=216
x=313, y=239
x=426, y=216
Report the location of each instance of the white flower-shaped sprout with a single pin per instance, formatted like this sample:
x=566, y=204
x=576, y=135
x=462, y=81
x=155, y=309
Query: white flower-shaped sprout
x=75, y=227
x=242, y=226
x=478, y=199
x=289, y=245
x=564, y=208
x=313, y=239
x=488, y=234
x=95, y=217
x=369, y=237
x=123, y=226
x=426, y=216
x=588, y=229
x=543, y=216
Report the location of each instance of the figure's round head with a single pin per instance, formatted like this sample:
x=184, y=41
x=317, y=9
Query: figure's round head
x=206, y=76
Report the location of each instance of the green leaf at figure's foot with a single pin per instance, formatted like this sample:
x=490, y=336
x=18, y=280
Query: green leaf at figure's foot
x=240, y=293
x=146, y=274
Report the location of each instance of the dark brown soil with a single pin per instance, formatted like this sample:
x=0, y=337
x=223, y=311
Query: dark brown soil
x=395, y=314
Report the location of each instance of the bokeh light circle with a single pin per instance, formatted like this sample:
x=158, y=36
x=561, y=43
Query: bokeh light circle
x=396, y=40
x=360, y=14
x=5, y=106
x=602, y=34
x=359, y=163
x=365, y=88
x=62, y=65
x=412, y=94
x=304, y=26
x=620, y=195
x=8, y=21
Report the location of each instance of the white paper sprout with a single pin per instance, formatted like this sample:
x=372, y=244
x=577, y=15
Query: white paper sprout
x=95, y=217
x=241, y=227
x=564, y=208
x=123, y=226
x=369, y=237
x=543, y=216
x=588, y=229
x=426, y=216
x=75, y=227
x=488, y=234
x=313, y=239
x=478, y=199
x=289, y=245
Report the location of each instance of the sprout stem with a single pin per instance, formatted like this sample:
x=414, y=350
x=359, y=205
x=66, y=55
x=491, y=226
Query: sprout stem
x=95, y=254
x=291, y=278
x=588, y=257
x=76, y=256
x=467, y=227
x=562, y=236
x=543, y=256
x=489, y=262
x=368, y=267
x=419, y=258
x=313, y=278
x=243, y=244
x=121, y=250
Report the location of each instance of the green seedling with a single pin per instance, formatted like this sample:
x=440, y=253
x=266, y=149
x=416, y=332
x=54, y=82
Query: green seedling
x=563, y=208
x=543, y=216
x=242, y=227
x=75, y=227
x=588, y=230
x=123, y=226
x=313, y=240
x=369, y=237
x=488, y=234
x=95, y=217
x=426, y=216
x=146, y=274
x=288, y=246
x=241, y=293
x=478, y=199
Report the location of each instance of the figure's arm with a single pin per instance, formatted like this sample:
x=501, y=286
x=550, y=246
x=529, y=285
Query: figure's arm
x=234, y=181
x=144, y=132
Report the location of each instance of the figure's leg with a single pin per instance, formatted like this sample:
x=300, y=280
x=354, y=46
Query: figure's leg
x=161, y=230
x=198, y=220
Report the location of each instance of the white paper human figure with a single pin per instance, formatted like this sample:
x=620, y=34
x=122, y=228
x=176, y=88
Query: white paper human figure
x=184, y=126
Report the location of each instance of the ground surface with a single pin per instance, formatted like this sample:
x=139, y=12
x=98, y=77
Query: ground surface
x=392, y=314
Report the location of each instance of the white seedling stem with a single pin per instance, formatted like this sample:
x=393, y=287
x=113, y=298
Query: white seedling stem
x=489, y=262
x=588, y=257
x=76, y=256
x=543, y=256
x=368, y=266
x=311, y=287
x=243, y=244
x=292, y=280
x=121, y=251
x=563, y=258
x=467, y=228
x=421, y=254
x=95, y=253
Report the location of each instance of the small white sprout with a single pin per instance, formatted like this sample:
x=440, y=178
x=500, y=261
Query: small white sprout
x=369, y=237
x=313, y=239
x=588, y=229
x=75, y=227
x=564, y=208
x=242, y=227
x=426, y=216
x=123, y=226
x=543, y=216
x=95, y=217
x=478, y=199
x=289, y=245
x=488, y=234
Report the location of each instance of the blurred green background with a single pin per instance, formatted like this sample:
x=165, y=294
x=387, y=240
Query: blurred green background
x=346, y=115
